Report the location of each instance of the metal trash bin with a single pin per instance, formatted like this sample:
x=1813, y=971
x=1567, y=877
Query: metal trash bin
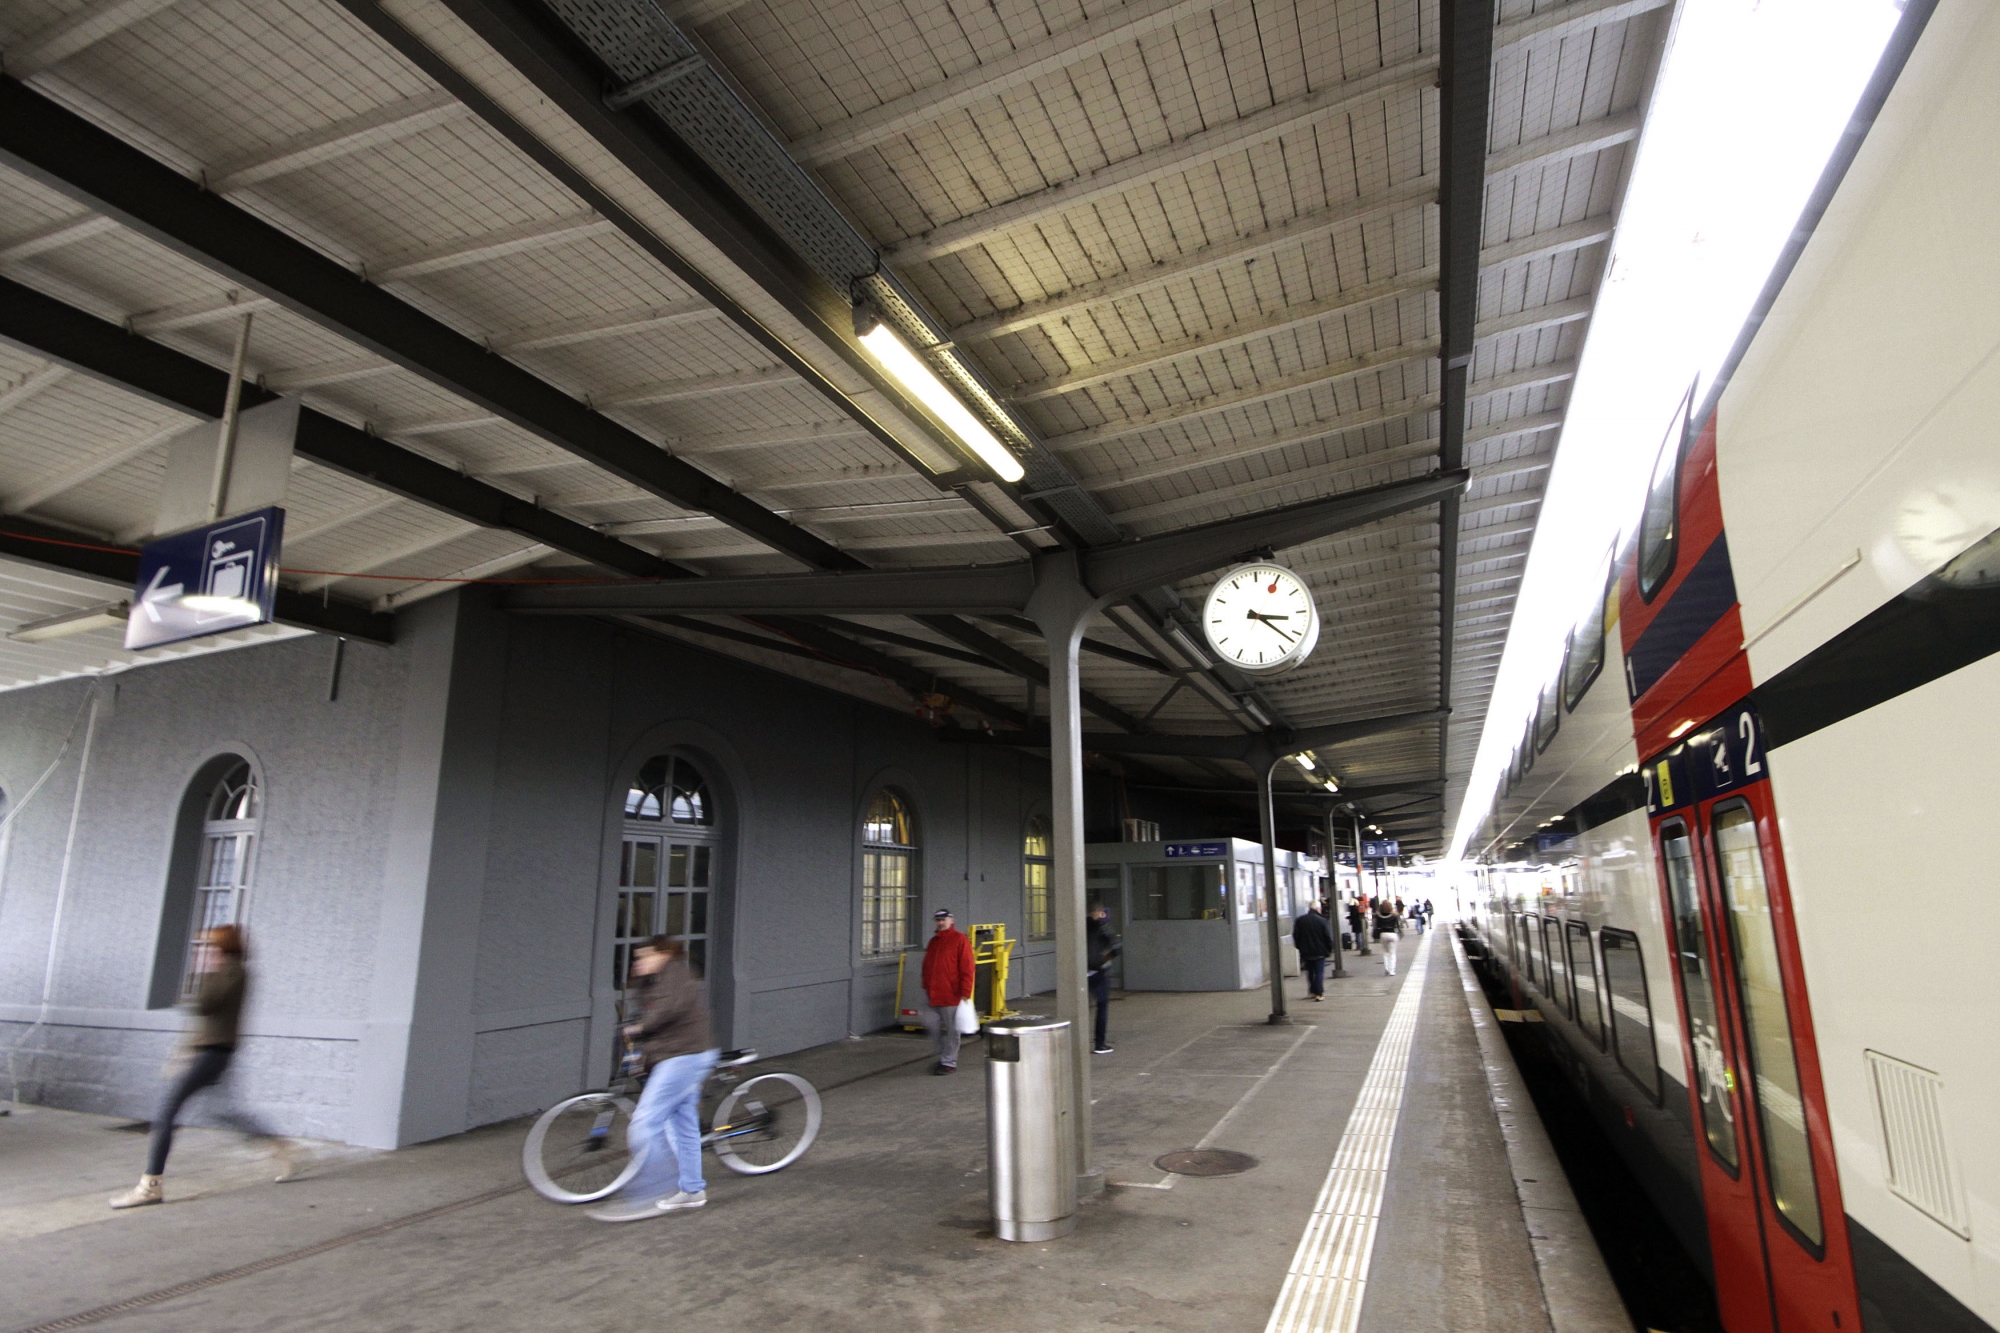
x=1031, y=1129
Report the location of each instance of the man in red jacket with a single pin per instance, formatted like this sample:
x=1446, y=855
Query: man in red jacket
x=947, y=980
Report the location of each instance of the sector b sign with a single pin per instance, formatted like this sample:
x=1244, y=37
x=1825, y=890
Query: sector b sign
x=1379, y=851
x=218, y=577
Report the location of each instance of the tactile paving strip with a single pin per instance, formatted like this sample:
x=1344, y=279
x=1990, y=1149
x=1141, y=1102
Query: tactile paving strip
x=1329, y=1274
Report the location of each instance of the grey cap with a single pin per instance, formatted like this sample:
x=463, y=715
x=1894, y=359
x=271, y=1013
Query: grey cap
x=941, y=913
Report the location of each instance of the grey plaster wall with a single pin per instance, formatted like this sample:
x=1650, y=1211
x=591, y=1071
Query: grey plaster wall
x=83, y=871
x=793, y=768
x=431, y=910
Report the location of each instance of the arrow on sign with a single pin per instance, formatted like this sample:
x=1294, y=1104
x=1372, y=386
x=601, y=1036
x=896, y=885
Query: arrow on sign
x=155, y=594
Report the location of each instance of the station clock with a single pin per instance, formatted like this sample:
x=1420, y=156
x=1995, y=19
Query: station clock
x=1260, y=618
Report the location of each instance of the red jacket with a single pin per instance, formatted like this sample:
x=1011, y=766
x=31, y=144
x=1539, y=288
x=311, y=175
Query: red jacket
x=948, y=967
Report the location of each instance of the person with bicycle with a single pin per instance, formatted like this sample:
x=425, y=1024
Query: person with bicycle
x=670, y=1029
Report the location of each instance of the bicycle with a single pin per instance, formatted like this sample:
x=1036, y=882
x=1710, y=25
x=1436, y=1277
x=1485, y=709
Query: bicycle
x=576, y=1151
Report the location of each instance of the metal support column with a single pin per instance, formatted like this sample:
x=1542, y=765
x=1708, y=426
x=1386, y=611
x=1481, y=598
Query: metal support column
x=1060, y=607
x=1360, y=885
x=1335, y=917
x=1266, y=763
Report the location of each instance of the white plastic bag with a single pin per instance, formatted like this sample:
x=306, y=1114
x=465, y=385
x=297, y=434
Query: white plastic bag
x=968, y=1021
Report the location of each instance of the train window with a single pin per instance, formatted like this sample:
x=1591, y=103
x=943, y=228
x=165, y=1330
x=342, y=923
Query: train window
x=1558, y=971
x=1528, y=745
x=1774, y=1066
x=1584, y=658
x=1659, y=526
x=1698, y=1002
x=1549, y=716
x=1514, y=933
x=1583, y=973
x=1531, y=948
x=1631, y=1009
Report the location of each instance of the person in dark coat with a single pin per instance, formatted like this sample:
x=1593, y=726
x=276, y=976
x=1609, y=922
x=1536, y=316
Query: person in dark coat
x=209, y=1047
x=1098, y=951
x=669, y=1025
x=1356, y=923
x=1313, y=938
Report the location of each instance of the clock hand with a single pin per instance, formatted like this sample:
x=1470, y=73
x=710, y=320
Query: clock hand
x=1266, y=615
x=1288, y=638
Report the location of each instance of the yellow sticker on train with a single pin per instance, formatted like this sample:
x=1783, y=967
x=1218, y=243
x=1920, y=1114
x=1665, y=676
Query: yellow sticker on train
x=1666, y=787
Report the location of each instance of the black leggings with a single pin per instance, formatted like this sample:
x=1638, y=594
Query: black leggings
x=208, y=1066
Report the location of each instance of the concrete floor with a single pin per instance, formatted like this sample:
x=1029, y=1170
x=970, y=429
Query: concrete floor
x=882, y=1226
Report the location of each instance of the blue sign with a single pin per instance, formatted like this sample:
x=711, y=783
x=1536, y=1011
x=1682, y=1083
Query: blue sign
x=1175, y=850
x=1727, y=753
x=1385, y=848
x=207, y=580
x=1555, y=842
x=1724, y=755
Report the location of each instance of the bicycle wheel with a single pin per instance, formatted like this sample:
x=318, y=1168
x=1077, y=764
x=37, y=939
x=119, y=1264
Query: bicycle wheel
x=576, y=1152
x=766, y=1123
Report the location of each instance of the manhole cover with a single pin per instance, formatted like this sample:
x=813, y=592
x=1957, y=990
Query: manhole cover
x=1205, y=1162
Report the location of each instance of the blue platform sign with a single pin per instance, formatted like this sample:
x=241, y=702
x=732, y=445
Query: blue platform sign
x=207, y=580
x=1176, y=850
x=1385, y=848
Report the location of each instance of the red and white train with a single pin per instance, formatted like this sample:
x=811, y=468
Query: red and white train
x=1740, y=861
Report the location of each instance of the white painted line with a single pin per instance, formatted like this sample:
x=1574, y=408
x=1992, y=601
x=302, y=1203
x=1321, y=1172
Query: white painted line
x=1329, y=1275
x=1208, y=1139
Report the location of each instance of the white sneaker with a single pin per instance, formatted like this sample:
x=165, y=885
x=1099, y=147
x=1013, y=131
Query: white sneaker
x=625, y=1210
x=675, y=1202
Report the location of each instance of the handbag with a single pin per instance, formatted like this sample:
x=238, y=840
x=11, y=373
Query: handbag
x=966, y=1020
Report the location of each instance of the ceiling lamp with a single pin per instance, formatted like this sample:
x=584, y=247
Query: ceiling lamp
x=108, y=616
x=895, y=356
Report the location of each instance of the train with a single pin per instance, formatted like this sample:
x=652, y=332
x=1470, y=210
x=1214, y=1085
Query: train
x=1738, y=865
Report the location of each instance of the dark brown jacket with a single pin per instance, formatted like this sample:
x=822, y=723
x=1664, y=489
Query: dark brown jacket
x=219, y=1006
x=672, y=1015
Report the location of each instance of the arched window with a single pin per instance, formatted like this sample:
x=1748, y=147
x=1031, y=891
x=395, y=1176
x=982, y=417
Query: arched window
x=208, y=884
x=1037, y=866
x=666, y=864
x=888, y=876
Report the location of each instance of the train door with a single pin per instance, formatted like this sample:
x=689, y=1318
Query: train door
x=1767, y=1169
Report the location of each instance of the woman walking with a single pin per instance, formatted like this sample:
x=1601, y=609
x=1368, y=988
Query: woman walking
x=1387, y=932
x=210, y=1045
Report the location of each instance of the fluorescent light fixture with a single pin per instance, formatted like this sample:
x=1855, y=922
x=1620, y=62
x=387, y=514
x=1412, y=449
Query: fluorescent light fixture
x=1257, y=714
x=895, y=357
x=108, y=616
x=1305, y=761
x=1194, y=655
x=1329, y=784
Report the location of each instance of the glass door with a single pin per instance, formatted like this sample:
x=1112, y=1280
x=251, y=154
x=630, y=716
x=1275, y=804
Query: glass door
x=1768, y=1173
x=1735, y=1233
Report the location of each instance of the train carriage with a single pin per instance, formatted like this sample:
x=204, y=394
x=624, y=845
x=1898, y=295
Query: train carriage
x=1737, y=861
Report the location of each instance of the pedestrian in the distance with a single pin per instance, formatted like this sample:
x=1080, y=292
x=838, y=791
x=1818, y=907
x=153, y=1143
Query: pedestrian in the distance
x=1387, y=933
x=1357, y=925
x=669, y=1027
x=1313, y=938
x=948, y=974
x=208, y=1049
x=1098, y=951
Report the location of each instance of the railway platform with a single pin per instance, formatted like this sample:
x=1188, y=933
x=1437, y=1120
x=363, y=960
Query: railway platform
x=884, y=1224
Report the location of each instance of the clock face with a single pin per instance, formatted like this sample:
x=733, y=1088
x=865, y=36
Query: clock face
x=1261, y=619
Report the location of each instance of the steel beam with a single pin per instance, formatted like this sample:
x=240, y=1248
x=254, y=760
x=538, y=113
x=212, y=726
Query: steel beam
x=1239, y=748
x=73, y=552
x=68, y=154
x=1107, y=573
x=1465, y=79
x=106, y=352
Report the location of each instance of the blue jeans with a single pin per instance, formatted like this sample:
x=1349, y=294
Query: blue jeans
x=666, y=1128
x=1315, y=975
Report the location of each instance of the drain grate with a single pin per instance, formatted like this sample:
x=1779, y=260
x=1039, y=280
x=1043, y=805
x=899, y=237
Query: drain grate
x=1205, y=1162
